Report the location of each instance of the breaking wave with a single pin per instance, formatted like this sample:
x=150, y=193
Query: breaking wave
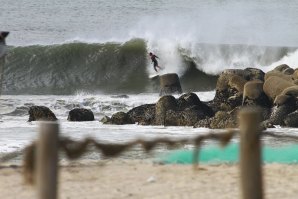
x=115, y=67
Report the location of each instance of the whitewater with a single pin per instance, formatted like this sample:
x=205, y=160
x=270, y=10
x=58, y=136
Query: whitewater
x=67, y=54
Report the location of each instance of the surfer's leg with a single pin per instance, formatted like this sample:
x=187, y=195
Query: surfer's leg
x=155, y=65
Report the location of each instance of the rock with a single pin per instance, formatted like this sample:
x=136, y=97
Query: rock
x=274, y=73
x=237, y=82
x=255, y=74
x=274, y=86
x=188, y=100
x=187, y=117
x=291, y=91
x=281, y=67
x=204, y=123
x=291, y=120
x=169, y=84
x=106, y=120
x=224, y=119
x=191, y=99
x=288, y=71
x=266, y=124
x=163, y=105
x=144, y=114
x=279, y=113
x=41, y=113
x=230, y=87
x=80, y=114
x=253, y=94
x=120, y=118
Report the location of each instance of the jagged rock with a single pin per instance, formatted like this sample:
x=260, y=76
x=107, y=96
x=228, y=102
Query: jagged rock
x=121, y=118
x=41, y=113
x=163, y=105
x=144, y=114
x=80, y=114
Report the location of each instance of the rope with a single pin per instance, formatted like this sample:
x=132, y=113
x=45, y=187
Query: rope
x=75, y=149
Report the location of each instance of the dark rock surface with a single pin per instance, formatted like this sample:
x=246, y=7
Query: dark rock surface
x=144, y=114
x=80, y=114
x=274, y=92
x=121, y=118
x=41, y=113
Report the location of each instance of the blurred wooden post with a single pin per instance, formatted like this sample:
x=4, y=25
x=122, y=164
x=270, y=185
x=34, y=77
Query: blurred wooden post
x=250, y=154
x=47, y=160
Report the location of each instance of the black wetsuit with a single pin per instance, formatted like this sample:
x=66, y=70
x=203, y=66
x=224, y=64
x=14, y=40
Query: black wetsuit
x=155, y=63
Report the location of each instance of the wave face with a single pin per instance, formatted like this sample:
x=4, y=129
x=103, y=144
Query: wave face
x=125, y=67
x=67, y=68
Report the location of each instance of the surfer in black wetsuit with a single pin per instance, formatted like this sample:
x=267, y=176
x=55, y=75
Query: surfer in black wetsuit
x=154, y=61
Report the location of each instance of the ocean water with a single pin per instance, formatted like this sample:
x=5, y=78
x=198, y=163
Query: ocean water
x=66, y=54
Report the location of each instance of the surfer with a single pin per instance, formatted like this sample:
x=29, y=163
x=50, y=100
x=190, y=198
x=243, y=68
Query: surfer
x=154, y=61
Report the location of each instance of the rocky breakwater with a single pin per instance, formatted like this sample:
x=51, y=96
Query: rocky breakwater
x=274, y=92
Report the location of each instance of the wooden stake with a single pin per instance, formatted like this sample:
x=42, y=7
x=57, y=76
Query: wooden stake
x=250, y=154
x=47, y=160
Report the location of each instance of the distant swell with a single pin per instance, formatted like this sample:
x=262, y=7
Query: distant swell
x=124, y=67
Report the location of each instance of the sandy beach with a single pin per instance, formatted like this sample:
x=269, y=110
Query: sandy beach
x=143, y=179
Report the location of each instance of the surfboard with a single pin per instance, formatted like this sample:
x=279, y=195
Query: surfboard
x=153, y=76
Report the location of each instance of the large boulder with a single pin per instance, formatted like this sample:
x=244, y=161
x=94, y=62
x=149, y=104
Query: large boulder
x=169, y=84
x=163, y=105
x=144, y=114
x=80, y=114
x=41, y=113
x=275, y=85
x=254, y=95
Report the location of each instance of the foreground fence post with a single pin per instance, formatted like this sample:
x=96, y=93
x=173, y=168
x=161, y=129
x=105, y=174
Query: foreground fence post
x=47, y=160
x=250, y=154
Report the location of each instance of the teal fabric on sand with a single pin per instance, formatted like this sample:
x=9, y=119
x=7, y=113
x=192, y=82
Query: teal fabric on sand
x=230, y=154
